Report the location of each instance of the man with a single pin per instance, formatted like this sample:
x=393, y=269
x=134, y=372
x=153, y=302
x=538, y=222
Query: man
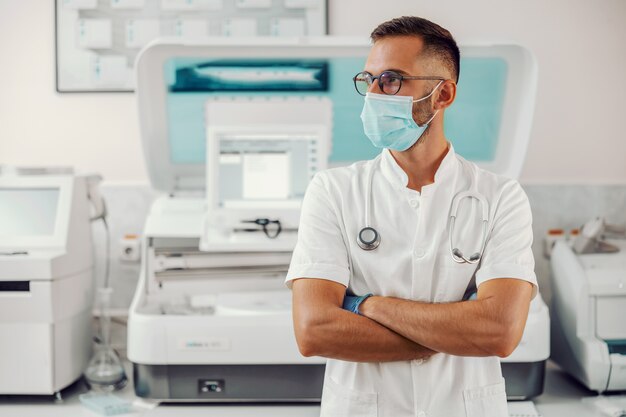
x=417, y=347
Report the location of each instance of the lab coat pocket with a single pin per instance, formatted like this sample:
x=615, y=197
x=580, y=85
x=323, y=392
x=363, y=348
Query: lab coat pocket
x=340, y=401
x=486, y=401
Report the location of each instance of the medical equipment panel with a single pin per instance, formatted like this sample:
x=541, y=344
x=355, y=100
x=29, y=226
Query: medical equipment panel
x=46, y=282
x=589, y=302
x=262, y=167
x=262, y=154
x=265, y=151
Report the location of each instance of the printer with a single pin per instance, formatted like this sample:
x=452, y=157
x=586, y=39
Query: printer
x=232, y=131
x=588, y=314
x=46, y=280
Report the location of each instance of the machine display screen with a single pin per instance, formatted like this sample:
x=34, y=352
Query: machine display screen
x=263, y=169
x=28, y=211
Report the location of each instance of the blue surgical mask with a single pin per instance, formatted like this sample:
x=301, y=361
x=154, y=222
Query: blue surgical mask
x=388, y=120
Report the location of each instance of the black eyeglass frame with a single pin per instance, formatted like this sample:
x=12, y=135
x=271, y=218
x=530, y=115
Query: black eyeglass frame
x=395, y=74
x=264, y=223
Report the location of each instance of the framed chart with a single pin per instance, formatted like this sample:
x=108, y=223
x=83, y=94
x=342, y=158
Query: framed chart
x=97, y=40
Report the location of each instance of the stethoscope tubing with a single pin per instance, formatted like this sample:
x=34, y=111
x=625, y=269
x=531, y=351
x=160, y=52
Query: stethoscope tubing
x=371, y=244
x=456, y=253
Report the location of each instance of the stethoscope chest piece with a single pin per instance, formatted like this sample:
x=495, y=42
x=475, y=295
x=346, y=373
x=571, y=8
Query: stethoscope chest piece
x=368, y=238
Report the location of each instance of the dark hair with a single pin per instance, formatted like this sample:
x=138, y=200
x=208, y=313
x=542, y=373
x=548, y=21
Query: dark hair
x=438, y=41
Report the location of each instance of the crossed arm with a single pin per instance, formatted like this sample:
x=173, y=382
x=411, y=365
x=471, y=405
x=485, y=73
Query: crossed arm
x=393, y=329
x=324, y=329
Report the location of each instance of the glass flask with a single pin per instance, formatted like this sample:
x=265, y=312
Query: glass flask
x=105, y=371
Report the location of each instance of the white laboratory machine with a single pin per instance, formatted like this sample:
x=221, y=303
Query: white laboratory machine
x=46, y=281
x=589, y=315
x=233, y=130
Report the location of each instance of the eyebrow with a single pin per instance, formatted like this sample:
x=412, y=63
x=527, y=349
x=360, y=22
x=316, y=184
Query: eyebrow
x=399, y=71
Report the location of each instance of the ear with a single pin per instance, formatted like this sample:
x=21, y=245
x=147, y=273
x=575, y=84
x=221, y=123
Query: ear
x=445, y=95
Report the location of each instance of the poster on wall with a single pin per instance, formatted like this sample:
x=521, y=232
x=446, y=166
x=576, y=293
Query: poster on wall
x=97, y=41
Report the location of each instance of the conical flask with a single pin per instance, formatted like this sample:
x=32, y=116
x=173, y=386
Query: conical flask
x=105, y=371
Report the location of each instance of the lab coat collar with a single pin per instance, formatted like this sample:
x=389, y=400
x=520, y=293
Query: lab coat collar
x=396, y=175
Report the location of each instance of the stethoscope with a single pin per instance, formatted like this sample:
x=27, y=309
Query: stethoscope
x=368, y=237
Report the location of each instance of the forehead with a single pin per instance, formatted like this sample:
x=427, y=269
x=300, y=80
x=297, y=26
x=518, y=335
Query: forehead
x=396, y=52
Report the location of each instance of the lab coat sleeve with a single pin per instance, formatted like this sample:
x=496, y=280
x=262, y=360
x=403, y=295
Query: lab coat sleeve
x=508, y=252
x=320, y=251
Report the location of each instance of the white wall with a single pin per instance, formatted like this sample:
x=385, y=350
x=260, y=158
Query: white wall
x=577, y=136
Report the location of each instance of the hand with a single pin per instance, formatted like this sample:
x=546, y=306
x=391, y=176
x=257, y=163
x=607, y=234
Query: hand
x=366, y=306
x=352, y=302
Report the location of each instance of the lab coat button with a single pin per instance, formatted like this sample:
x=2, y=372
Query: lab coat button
x=421, y=414
x=414, y=203
x=420, y=252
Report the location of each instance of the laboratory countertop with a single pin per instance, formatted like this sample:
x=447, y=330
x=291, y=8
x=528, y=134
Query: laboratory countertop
x=562, y=397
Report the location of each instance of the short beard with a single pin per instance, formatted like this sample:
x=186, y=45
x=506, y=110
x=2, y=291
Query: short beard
x=421, y=114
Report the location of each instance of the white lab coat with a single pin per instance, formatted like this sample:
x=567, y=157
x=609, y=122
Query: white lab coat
x=412, y=262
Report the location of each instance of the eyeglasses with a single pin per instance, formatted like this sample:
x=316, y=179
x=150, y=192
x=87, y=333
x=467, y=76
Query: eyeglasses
x=389, y=82
x=271, y=228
